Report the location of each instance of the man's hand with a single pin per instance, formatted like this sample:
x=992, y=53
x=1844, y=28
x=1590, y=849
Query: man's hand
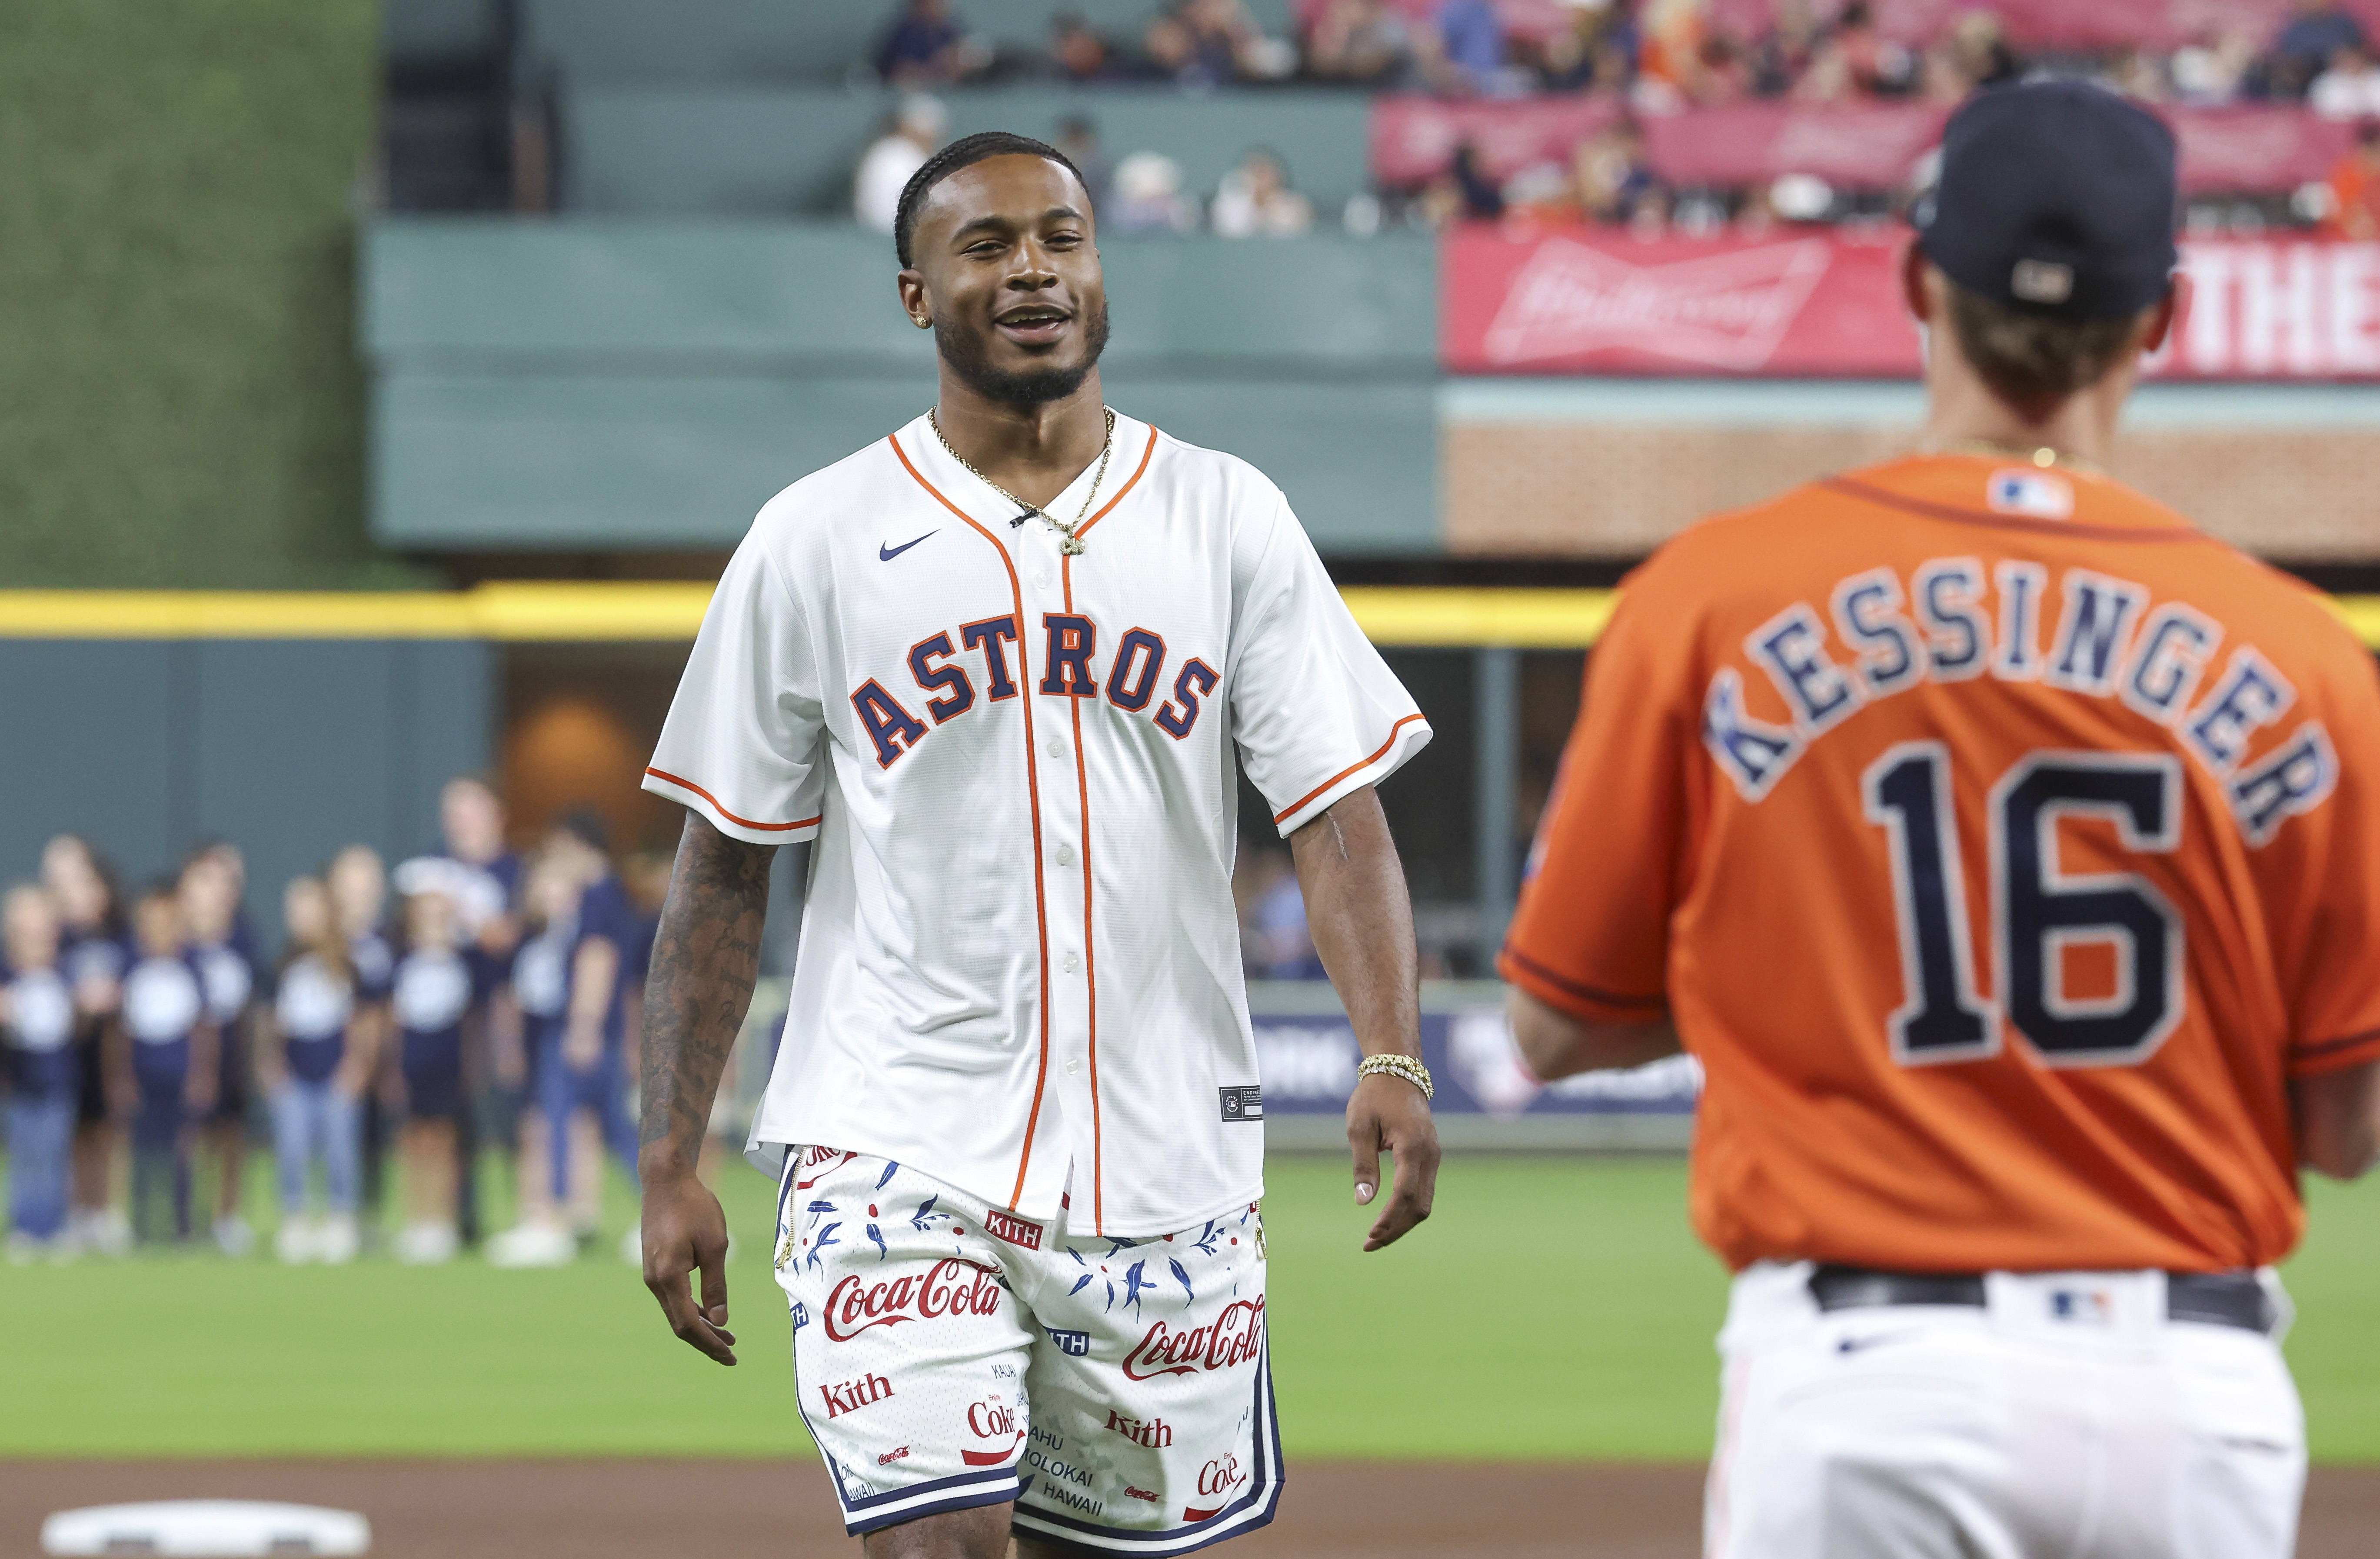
x=1389, y=1112
x=1361, y=918
x=684, y=1233
x=705, y=956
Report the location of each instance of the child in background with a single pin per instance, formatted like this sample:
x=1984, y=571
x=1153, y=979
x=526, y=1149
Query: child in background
x=358, y=888
x=432, y=993
x=171, y=1060
x=541, y=989
x=210, y=895
x=314, y=1078
x=37, y=1025
x=93, y=955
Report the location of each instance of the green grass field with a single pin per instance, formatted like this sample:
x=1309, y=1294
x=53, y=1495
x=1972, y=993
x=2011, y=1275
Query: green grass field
x=1554, y=1308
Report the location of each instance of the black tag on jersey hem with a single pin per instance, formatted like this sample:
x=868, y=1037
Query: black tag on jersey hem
x=1243, y=1103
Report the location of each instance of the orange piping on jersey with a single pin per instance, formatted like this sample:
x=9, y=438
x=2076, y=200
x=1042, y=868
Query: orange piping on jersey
x=1032, y=792
x=1351, y=768
x=1584, y=992
x=741, y=822
x=1090, y=968
x=1850, y=489
x=1130, y=482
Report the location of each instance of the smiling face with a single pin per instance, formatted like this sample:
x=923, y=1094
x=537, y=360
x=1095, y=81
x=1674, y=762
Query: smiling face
x=1006, y=273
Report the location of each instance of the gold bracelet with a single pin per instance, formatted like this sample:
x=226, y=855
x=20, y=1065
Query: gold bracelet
x=1391, y=1064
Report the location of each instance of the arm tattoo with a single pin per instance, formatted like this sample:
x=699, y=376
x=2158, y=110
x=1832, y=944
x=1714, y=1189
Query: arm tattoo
x=706, y=955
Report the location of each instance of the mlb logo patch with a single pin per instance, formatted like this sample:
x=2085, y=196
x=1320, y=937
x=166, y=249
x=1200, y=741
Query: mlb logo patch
x=2035, y=493
x=1074, y=1343
x=2088, y=1307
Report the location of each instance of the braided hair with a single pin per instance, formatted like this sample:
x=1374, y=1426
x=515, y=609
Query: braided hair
x=965, y=152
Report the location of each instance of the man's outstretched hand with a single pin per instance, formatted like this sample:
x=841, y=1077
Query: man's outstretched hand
x=1389, y=1113
x=684, y=1233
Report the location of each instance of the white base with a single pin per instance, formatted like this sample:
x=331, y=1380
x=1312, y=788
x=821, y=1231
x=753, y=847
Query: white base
x=206, y=1530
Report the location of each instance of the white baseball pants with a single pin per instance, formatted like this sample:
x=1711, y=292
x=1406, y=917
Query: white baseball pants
x=2066, y=1416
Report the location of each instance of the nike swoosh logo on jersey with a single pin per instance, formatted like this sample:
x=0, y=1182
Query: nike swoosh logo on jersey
x=886, y=554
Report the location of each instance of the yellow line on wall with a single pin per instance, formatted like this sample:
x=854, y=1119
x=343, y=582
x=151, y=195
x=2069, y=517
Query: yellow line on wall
x=1411, y=616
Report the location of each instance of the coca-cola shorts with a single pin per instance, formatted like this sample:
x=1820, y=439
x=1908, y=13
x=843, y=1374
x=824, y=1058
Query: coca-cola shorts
x=950, y=1354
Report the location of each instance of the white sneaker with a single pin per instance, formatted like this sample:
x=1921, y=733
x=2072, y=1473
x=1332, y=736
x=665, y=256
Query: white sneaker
x=233, y=1237
x=338, y=1240
x=533, y=1245
x=108, y=1232
x=424, y=1244
x=23, y=1250
x=297, y=1241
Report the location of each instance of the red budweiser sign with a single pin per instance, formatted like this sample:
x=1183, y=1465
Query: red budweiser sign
x=949, y=1287
x=1816, y=305
x=1232, y=1340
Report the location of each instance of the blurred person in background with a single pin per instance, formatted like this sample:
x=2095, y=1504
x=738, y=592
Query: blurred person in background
x=1784, y=48
x=1364, y=43
x=1278, y=941
x=1255, y=201
x=910, y=134
x=223, y=950
x=314, y=1079
x=540, y=982
x=358, y=889
x=2214, y=70
x=2349, y=88
x=1207, y=43
x=572, y=980
x=1470, y=53
x=1880, y=67
x=38, y=1061
x=1614, y=183
x=1080, y=56
x=2309, y=41
x=1147, y=198
x=2355, y=187
x=481, y=877
x=95, y=952
x=167, y=1059
x=1078, y=138
x=431, y=994
x=1594, y=49
x=591, y=1087
x=1974, y=53
x=925, y=47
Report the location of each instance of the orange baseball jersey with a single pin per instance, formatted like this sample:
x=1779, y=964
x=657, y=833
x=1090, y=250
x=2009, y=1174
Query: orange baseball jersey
x=2000, y=844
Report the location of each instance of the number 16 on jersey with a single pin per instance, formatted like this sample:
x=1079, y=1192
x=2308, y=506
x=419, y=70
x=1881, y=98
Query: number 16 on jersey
x=2038, y=911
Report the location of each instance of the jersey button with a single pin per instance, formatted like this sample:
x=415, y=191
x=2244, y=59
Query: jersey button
x=1057, y=748
x=1074, y=1067
x=1041, y=581
x=1073, y=963
x=1065, y=855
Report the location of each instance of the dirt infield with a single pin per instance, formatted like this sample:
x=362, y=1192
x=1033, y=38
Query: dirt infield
x=780, y=1510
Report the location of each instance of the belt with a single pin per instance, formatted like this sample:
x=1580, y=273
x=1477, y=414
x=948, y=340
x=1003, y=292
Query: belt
x=2209, y=1299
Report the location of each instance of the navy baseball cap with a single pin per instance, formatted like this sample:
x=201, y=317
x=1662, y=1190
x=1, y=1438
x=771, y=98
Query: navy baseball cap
x=2055, y=196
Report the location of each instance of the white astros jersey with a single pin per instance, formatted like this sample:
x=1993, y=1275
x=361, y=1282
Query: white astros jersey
x=1019, y=956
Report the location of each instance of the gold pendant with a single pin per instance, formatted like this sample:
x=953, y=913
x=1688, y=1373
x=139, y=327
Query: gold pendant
x=1071, y=547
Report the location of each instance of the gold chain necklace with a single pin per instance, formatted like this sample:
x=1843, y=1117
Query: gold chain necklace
x=2043, y=455
x=1070, y=544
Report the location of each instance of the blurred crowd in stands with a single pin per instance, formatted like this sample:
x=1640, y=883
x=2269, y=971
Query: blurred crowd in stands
x=1641, y=60
x=1663, y=54
x=473, y=998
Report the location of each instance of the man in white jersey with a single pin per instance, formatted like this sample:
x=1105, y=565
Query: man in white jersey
x=996, y=666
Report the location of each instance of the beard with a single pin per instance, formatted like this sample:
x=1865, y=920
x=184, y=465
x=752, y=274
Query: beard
x=968, y=354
